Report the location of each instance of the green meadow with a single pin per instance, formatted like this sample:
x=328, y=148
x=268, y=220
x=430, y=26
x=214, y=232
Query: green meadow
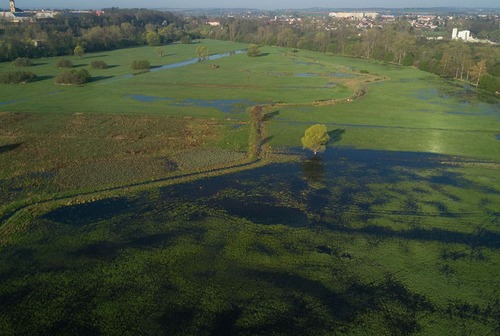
x=130, y=206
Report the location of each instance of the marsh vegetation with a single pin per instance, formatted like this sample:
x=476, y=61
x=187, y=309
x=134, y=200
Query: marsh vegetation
x=393, y=230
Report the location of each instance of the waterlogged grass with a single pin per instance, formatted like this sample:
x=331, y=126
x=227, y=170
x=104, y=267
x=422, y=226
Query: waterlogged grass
x=386, y=242
x=61, y=153
x=393, y=231
x=271, y=78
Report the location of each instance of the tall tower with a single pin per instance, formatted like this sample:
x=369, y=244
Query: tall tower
x=454, y=34
x=12, y=6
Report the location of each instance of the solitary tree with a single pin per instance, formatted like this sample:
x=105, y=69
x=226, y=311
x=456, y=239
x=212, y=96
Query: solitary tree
x=202, y=52
x=478, y=71
x=79, y=51
x=253, y=50
x=315, y=138
x=153, y=39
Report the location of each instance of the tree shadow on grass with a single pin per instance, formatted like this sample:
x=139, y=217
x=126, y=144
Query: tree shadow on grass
x=79, y=65
x=263, y=54
x=38, y=64
x=112, y=66
x=41, y=78
x=95, y=56
x=266, y=140
x=344, y=306
x=271, y=115
x=336, y=135
x=101, y=78
x=8, y=148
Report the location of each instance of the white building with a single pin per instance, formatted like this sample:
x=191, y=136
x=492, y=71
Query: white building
x=46, y=15
x=461, y=35
x=347, y=15
x=464, y=35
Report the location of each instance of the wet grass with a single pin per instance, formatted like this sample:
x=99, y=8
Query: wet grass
x=393, y=231
x=54, y=153
x=393, y=245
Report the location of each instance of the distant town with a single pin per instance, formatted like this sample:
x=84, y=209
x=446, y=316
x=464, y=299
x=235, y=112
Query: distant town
x=434, y=23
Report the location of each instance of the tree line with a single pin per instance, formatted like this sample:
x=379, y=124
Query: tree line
x=397, y=43
x=394, y=43
x=117, y=28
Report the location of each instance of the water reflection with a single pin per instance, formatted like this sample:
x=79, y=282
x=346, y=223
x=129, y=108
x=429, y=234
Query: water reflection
x=313, y=169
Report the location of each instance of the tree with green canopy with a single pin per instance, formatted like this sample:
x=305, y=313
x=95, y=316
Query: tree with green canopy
x=253, y=50
x=202, y=52
x=79, y=51
x=315, y=138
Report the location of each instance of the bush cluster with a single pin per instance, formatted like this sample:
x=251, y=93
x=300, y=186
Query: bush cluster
x=22, y=62
x=64, y=63
x=99, y=65
x=186, y=39
x=74, y=77
x=253, y=50
x=17, y=77
x=489, y=83
x=141, y=65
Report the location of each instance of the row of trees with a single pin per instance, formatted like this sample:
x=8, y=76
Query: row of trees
x=117, y=28
x=396, y=43
x=120, y=28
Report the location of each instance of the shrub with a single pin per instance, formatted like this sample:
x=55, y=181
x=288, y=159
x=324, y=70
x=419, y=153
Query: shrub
x=64, y=63
x=17, y=77
x=253, y=50
x=74, y=77
x=141, y=65
x=363, y=71
x=186, y=39
x=489, y=83
x=22, y=62
x=99, y=65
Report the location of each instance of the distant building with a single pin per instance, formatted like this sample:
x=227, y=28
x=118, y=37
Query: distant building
x=15, y=14
x=213, y=23
x=354, y=15
x=461, y=35
x=464, y=35
x=15, y=17
x=46, y=15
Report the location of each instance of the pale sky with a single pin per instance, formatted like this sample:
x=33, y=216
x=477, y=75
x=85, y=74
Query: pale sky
x=257, y=4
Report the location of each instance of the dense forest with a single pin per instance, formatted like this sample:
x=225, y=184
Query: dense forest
x=397, y=42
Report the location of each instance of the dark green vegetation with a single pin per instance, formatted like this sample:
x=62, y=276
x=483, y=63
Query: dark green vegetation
x=394, y=230
x=253, y=50
x=64, y=63
x=386, y=242
x=18, y=77
x=99, y=65
x=74, y=77
x=22, y=62
x=117, y=28
x=140, y=65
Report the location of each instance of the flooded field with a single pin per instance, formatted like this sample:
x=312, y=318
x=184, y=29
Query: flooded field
x=394, y=230
x=329, y=245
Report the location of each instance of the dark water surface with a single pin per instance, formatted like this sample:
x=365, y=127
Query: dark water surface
x=302, y=248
